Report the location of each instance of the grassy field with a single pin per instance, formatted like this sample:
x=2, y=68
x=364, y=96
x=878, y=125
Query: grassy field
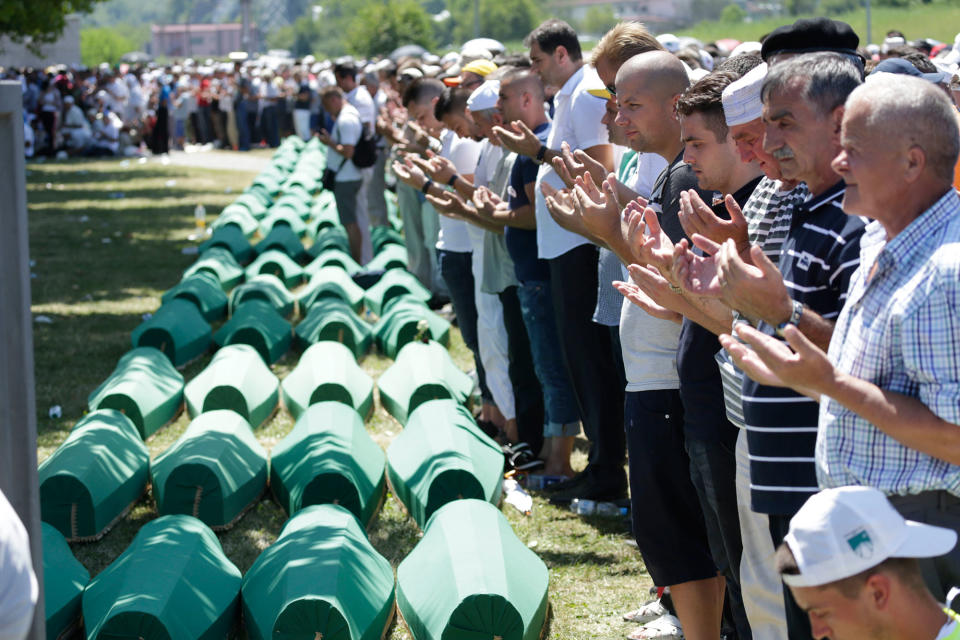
x=106, y=240
x=939, y=20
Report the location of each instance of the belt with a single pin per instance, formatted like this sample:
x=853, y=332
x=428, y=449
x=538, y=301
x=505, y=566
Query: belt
x=940, y=500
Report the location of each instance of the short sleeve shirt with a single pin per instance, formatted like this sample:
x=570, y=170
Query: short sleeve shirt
x=346, y=130
x=522, y=243
x=464, y=154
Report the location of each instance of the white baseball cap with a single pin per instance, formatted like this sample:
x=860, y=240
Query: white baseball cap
x=485, y=96
x=839, y=533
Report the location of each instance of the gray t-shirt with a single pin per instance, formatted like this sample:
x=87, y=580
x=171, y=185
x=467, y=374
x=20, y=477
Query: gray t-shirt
x=498, y=270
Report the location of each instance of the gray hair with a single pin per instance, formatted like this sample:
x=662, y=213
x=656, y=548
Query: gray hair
x=915, y=111
x=828, y=78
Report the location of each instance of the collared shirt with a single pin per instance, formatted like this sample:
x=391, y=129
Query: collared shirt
x=819, y=255
x=899, y=330
x=577, y=122
x=522, y=243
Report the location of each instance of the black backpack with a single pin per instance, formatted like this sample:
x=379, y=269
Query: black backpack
x=365, y=151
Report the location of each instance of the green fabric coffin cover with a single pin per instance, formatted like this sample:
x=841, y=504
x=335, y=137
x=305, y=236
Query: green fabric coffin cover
x=177, y=329
x=333, y=319
x=64, y=579
x=232, y=238
x=236, y=379
x=329, y=458
x=442, y=455
x=296, y=200
x=172, y=583
x=145, y=387
x=214, y=471
x=283, y=238
x=265, y=287
x=331, y=282
x=301, y=183
x=471, y=578
x=392, y=256
x=253, y=203
x=332, y=258
x=203, y=290
x=321, y=579
x=327, y=371
x=278, y=264
x=330, y=238
x=396, y=282
x=221, y=264
x=283, y=216
x=401, y=325
x=90, y=480
x=423, y=371
x=236, y=216
x=258, y=324
x=324, y=216
x=383, y=236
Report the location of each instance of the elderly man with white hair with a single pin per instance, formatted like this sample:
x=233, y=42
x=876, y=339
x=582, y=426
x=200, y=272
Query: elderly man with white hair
x=889, y=386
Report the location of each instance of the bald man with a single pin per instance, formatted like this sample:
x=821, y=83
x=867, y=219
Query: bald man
x=891, y=418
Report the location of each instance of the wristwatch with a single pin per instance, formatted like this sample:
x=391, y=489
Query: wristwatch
x=452, y=179
x=426, y=186
x=794, y=318
x=541, y=154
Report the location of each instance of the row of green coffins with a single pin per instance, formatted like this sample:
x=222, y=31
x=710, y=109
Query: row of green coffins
x=217, y=468
x=468, y=577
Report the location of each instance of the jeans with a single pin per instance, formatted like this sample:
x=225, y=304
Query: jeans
x=560, y=407
x=243, y=126
x=588, y=353
x=270, y=125
x=455, y=268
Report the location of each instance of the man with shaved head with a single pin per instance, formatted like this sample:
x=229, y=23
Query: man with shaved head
x=889, y=386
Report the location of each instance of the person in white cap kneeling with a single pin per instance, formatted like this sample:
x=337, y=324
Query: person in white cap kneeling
x=851, y=562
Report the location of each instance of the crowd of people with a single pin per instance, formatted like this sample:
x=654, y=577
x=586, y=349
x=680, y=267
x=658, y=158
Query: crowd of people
x=738, y=272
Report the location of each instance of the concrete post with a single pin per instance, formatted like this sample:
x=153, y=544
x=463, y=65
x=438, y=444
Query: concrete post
x=18, y=420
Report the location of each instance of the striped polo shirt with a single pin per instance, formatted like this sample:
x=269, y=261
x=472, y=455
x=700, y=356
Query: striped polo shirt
x=818, y=257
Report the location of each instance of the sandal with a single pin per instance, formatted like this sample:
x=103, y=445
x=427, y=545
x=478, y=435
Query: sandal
x=647, y=612
x=663, y=628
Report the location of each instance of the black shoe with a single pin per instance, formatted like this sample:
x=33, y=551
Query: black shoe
x=591, y=489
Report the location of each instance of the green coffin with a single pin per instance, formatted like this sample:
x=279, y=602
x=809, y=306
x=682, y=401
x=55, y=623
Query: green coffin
x=255, y=205
x=330, y=238
x=221, y=263
x=283, y=216
x=324, y=217
x=329, y=458
x=331, y=282
x=232, y=238
x=172, y=583
x=381, y=237
x=422, y=371
x=267, y=288
x=278, y=264
x=401, y=324
x=295, y=198
x=236, y=216
x=257, y=324
x=145, y=387
x=177, y=329
x=321, y=579
x=333, y=319
x=327, y=371
x=392, y=256
x=471, y=578
x=442, y=455
x=94, y=476
x=394, y=283
x=332, y=258
x=236, y=379
x=64, y=579
x=214, y=471
x=282, y=238
x=203, y=290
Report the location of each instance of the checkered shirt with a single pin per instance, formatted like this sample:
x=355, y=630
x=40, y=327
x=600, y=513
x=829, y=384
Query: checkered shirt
x=900, y=331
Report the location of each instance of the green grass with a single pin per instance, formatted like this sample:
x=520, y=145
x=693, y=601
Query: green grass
x=939, y=20
x=101, y=262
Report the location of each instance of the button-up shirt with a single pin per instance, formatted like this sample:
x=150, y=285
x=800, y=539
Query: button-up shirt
x=899, y=330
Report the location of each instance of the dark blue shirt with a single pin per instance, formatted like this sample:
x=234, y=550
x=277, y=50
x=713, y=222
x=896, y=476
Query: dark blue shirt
x=522, y=243
x=819, y=255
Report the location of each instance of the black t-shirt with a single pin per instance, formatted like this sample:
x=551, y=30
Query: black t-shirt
x=701, y=390
x=522, y=243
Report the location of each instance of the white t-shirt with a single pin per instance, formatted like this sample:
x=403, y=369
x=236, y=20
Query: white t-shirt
x=18, y=584
x=363, y=103
x=464, y=153
x=576, y=121
x=648, y=344
x=346, y=130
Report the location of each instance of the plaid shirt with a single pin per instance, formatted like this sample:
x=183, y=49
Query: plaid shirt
x=899, y=330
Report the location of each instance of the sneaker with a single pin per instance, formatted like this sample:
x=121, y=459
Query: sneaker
x=646, y=613
x=663, y=628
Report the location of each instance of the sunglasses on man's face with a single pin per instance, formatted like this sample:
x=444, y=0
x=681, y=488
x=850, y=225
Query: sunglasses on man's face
x=612, y=89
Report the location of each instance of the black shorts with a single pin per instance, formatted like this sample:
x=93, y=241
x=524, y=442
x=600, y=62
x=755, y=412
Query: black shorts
x=668, y=522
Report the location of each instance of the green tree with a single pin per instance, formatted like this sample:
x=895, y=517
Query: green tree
x=598, y=20
x=37, y=22
x=104, y=44
x=499, y=19
x=378, y=28
x=733, y=14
